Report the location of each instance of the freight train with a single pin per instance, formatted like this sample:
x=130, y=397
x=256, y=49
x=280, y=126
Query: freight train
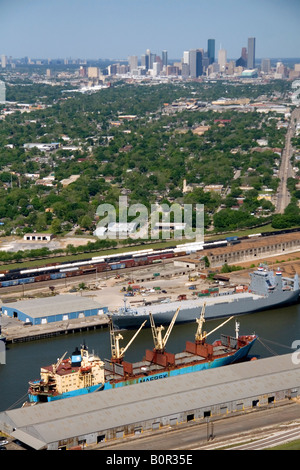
x=114, y=262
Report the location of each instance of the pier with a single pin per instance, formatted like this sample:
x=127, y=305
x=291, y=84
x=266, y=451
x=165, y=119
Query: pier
x=18, y=332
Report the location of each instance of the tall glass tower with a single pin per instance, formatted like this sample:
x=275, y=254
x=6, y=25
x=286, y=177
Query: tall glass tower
x=165, y=58
x=211, y=50
x=251, y=53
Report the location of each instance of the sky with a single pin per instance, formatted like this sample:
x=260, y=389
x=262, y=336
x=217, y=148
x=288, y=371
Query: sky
x=116, y=29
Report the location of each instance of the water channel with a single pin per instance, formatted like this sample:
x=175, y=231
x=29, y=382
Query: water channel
x=276, y=329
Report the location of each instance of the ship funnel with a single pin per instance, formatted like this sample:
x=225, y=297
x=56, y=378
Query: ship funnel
x=278, y=279
x=76, y=358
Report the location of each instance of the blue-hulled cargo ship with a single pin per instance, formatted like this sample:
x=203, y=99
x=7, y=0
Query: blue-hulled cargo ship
x=85, y=373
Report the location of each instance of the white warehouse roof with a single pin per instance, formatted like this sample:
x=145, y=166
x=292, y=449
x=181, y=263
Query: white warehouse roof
x=54, y=305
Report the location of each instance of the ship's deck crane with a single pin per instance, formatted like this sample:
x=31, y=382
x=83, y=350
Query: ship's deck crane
x=159, y=341
x=56, y=366
x=117, y=353
x=201, y=336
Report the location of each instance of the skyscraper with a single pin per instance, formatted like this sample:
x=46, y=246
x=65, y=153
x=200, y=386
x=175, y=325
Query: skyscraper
x=242, y=61
x=222, y=59
x=211, y=50
x=186, y=57
x=164, y=58
x=3, y=61
x=133, y=63
x=251, y=53
x=266, y=65
x=196, y=68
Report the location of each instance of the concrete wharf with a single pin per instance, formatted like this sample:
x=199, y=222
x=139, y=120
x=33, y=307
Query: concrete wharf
x=18, y=332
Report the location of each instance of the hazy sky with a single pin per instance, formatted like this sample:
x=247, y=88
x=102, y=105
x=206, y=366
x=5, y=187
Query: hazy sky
x=94, y=29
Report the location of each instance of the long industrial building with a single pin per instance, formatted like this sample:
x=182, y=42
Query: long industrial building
x=253, y=249
x=120, y=412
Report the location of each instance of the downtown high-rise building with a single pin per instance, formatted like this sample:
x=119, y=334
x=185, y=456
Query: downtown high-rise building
x=133, y=63
x=164, y=57
x=195, y=63
x=3, y=61
x=266, y=65
x=222, y=59
x=211, y=46
x=251, y=53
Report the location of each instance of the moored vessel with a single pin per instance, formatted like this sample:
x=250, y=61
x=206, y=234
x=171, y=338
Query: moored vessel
x=267, y=290
x=83, y=373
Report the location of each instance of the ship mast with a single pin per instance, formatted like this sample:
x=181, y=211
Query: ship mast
x=117, y=353
x=159, y=341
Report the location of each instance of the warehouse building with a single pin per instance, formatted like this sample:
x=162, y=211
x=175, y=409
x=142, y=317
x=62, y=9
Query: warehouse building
x=38, y=237
x=53, y=309
x=252, y=249
x=149, y=406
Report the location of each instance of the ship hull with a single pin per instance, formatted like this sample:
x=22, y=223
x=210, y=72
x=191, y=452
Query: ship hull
x=238, y=356
x=189, y=310
x=75, y=393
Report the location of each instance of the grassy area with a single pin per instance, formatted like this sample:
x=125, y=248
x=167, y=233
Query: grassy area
x=294, y=445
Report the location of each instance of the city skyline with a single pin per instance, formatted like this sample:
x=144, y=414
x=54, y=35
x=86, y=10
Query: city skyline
x=94, y=29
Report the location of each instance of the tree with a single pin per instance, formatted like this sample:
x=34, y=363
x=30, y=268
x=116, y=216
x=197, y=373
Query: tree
x=56, y=226
x=86, y=222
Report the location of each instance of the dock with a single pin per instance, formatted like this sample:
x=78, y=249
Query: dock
x=20, y=332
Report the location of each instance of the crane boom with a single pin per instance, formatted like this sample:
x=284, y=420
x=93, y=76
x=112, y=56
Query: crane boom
x=159, y=341
x=133, y=338
x=116, y=351
x=212, y=331
x=56, y=366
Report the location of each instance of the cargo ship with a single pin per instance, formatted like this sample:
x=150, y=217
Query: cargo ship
x=84, y=373
x=266, y=291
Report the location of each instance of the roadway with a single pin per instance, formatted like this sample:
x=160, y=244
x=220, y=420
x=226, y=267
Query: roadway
x=286, y=170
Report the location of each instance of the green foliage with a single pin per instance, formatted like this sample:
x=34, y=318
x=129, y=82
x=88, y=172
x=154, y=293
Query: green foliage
x=228, y=219
x=148, y=157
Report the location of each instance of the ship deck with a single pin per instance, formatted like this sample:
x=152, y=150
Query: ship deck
x=188, y=304
x=144, y=367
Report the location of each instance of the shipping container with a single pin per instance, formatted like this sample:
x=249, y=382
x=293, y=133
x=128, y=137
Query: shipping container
x=117, y=265
x=42, y=277
x=26, y=280
x=57, y=276
x=14, y=282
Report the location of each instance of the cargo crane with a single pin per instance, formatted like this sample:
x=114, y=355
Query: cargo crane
x=159, y=341
x=58, y=363
x=117, y=353
x=200, y=336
